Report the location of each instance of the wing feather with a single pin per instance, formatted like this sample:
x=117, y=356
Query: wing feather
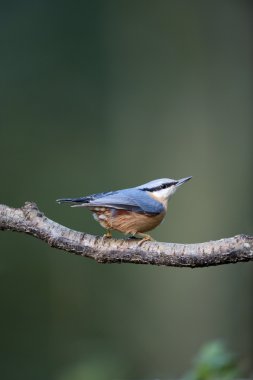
x=130, y=199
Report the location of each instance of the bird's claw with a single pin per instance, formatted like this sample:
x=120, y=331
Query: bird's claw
x=107, y=235
x=144, y=239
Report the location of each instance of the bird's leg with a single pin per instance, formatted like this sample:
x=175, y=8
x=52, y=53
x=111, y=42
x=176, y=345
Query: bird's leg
x=108, y=234
x=144, y=237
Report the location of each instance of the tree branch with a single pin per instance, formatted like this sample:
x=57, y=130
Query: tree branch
x=30, y=220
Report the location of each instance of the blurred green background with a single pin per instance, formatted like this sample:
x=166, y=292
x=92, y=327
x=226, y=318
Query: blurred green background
x=102, y=95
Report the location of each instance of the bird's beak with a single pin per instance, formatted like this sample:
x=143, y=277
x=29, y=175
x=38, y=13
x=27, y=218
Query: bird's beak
x=183, y=180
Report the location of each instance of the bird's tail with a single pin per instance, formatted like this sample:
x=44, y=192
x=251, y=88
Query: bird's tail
x=72, y=200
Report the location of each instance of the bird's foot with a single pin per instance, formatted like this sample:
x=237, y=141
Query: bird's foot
x=144, y=237
x=107, y=235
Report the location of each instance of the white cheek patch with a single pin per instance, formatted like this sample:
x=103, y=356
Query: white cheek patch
x=165, y=194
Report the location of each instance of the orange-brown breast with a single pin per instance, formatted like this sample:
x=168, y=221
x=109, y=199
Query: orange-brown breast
x=127, y=222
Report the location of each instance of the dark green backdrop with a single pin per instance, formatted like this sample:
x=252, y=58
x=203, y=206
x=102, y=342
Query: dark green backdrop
x=100, y=95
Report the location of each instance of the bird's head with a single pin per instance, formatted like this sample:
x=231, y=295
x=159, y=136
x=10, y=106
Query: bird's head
x=163, y=189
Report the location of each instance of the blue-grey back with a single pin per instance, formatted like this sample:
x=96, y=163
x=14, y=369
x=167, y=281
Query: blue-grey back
x=129, y=199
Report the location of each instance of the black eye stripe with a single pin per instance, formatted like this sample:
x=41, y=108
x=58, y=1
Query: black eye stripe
x=163, y=186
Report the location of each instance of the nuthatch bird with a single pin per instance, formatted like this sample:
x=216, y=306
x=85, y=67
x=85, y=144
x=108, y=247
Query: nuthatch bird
x=131, y=211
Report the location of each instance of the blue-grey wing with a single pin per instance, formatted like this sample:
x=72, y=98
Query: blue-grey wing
x=129, y=199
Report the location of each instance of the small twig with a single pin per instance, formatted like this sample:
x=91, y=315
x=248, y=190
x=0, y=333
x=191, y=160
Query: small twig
x=30, y=220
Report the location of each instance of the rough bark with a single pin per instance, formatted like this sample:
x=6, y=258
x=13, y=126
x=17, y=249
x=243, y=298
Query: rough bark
x=30, y=220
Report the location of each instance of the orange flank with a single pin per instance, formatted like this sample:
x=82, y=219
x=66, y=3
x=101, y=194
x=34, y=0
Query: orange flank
x=124, y=221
